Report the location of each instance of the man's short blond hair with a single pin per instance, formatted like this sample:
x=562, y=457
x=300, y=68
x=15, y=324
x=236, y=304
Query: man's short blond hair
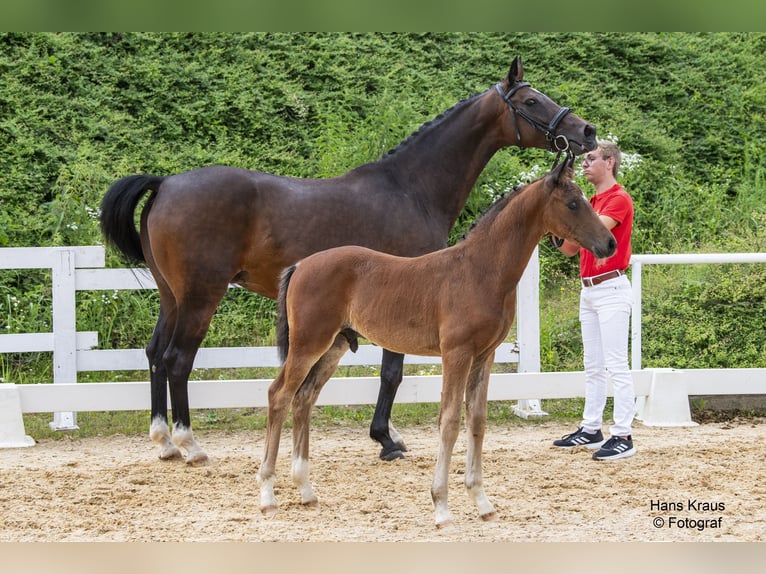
x=609, y=149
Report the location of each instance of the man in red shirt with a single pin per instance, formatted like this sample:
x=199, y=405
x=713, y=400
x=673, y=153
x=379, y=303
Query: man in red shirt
x=605, y=305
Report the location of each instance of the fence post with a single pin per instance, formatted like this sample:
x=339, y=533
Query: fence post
x=528, y=332
x=11, y=420
x=64, y=330
x=635, y=326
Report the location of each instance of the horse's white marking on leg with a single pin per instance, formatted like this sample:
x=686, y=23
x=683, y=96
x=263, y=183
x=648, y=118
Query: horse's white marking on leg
x=268, y=500
x=300, y=472
x=442, y=515
x=473, y=479
x=486, y=510
x=396, y=436
x=439, y=490
x=184, y=437
x=160, y=433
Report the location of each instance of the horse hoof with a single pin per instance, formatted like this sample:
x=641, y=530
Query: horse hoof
x=199, y=459
x=170, y=454
x=270, y=510
x=390, y=455
x=311, y=504
x=489, y=517
x=446, y=525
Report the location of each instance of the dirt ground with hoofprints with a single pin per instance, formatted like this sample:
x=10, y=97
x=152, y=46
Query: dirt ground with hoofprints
x=700, y=484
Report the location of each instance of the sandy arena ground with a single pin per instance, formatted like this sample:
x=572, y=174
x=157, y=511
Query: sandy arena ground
x=698, y=484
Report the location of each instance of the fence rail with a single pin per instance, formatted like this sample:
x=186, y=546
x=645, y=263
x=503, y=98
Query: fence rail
x=637, y=263
x=663, y=392
x=76, y=269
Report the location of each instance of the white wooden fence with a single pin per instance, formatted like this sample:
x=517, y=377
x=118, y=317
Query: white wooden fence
x=76, y=269
x=663, y=392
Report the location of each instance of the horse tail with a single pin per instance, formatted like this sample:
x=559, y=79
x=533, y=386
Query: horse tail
x=283, y=328
x=118, y=211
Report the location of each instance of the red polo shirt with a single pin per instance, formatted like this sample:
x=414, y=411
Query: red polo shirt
x=617, y=204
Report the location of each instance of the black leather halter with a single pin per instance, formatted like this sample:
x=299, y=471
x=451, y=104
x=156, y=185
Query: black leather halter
x=559, y=142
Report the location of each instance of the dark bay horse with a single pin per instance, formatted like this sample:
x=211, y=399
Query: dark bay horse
x=457, y=303
x=205, y=229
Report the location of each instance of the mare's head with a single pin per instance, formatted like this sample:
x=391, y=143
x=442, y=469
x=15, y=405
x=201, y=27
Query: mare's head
x=569, y=215
x=540, y=122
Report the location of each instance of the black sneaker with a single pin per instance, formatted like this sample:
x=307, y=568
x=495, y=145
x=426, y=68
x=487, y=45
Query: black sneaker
x=580, y=438
x=616, y=447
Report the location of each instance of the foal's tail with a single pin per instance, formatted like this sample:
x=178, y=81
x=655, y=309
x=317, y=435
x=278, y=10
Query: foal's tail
x=117, y=213
x=283, y=329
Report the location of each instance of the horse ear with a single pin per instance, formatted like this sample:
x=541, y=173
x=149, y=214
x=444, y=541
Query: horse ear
x=564, y=171
x=516, y=73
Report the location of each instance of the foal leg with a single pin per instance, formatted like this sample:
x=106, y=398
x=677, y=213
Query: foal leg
x=303, y=403
x=455, y=369
x=381, y=429
x=476, y=424
x=281, y=393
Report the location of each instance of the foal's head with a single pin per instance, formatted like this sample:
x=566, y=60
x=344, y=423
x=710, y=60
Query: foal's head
x=569, y=215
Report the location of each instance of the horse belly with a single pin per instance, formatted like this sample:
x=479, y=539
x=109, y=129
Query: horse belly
x=397, y=327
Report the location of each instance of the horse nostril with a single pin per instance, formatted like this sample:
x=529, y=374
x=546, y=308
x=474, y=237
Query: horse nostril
x=590, y=131
x=612, y=245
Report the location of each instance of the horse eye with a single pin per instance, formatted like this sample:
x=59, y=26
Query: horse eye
x=572, y=205
x=530, y=101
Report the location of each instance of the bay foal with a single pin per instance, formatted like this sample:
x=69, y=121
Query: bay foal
x=458, y=303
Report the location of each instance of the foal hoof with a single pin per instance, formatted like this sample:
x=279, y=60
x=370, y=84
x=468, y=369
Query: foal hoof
x=446, y=525
x=391, y=454
x=311, y=504
x=269, y=510
x=489, y=517
x=198, y=459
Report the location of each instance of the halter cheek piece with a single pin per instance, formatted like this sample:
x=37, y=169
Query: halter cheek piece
x=558, y=143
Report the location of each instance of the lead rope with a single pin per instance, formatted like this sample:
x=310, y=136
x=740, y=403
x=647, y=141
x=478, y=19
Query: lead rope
x=565, y=149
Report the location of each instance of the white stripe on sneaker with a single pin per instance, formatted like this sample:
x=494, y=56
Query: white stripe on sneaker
x=614, y=449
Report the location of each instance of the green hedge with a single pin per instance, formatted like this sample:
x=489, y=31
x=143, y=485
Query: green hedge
x=79, y=110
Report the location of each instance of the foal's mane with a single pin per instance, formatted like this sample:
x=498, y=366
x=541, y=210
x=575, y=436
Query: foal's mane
x=431, y=124
x=493, y=210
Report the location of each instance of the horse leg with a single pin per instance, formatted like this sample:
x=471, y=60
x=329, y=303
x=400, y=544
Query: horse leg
x=192, y=324
x=281, y=393
x=158, y=429
x=381, y=429
x=455, y=368
x=274, y=421
x=476, y=425
x=303, y=403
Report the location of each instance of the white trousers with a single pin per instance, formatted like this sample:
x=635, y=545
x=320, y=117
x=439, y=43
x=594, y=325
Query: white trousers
x=605, y=323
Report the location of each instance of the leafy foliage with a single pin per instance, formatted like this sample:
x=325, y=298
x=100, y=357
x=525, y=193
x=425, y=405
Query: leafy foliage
x=710, y=315
x=79, y=110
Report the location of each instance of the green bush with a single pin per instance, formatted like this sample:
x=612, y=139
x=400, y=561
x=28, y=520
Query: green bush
x=79, y=110
x=709, y=315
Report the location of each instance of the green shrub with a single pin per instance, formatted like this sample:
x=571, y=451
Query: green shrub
x=79, y=110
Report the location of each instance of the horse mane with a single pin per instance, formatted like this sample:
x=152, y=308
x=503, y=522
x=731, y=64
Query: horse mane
x=430, y=124
x=493, y=210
